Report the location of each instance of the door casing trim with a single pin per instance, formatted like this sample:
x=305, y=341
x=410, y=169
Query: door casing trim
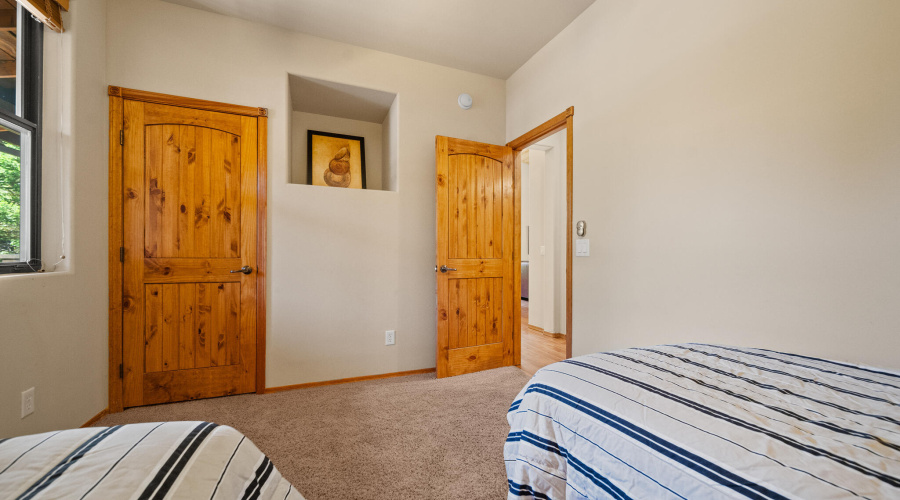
x=559, y=122
x=117, y=96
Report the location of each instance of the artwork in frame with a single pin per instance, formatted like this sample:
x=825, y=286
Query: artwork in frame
x=336, y=160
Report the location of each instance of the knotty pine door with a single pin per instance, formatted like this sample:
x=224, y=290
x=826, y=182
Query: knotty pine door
x=189, y=312
x=477, y=241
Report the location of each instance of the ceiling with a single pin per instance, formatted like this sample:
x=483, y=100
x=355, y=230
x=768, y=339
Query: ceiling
x=490, y=37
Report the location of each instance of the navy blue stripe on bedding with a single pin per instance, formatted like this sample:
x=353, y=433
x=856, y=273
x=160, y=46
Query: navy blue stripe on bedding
x=684, y=422
x=182, y=462
x=782, y=390
x=795, y=376
x=684, y=457
x=160, y=484
x=812, y=450
x=67, y=462
x=548, y=445
x=262, y=475
x=515, y=405
x=784, y=411
x=119, y=460
x=535, y=440
x=836, y=363
x=523, y=490
x=811, y=367
x=27, y=451
x=233, y=453
x=604, y=450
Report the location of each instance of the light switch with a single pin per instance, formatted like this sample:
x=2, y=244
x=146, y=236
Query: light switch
x=583, y=248
x=543, y=250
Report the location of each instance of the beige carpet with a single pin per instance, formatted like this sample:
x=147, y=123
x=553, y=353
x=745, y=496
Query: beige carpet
x=412, y=437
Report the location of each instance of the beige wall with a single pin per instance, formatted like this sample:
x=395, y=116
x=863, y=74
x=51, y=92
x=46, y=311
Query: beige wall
x=345, y=265
x=390, y=148
x=371, y=133
x=53, y=332
x=737, y=165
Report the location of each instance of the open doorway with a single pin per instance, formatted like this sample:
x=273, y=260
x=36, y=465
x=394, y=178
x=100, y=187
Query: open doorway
x=543, y=261
x=545, y=173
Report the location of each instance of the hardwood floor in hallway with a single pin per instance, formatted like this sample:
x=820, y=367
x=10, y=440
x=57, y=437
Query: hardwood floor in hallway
x=539, y=349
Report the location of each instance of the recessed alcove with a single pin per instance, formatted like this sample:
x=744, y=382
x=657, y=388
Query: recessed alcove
x=338, y=108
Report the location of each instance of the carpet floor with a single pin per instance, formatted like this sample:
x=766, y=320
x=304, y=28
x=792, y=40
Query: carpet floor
x=413, y=437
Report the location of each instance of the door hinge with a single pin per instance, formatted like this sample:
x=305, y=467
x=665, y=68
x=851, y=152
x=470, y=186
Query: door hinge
x=121, y=254
x=122, y=137
x=121, y=371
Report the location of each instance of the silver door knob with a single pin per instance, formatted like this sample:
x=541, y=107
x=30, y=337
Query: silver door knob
x=444, y=269
x=245, y=270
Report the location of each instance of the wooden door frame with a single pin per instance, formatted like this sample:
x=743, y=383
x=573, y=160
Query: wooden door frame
x=117, y=96
x=542, y=131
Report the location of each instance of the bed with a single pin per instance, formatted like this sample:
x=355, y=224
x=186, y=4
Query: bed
x=170, y=460
x=705, y=421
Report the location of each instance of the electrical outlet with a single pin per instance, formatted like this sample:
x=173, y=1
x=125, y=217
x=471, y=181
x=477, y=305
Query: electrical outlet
x=27, y=402
x=389, y=337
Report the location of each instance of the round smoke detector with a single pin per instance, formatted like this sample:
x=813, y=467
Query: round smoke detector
x=465, y=101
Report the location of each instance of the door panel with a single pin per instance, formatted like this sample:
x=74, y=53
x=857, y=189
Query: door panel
x=475, y=207
x=476, y=225
x=174, y=312
x=193, y=209
x=483, y=299
x=190, y=214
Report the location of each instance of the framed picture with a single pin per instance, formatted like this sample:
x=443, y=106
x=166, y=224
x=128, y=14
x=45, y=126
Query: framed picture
x=336, y=160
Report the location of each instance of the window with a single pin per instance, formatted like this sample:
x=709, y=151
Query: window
x=21, y=67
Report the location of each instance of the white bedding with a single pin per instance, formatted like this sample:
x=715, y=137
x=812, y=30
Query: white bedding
x=174, y=460
x=703, y=421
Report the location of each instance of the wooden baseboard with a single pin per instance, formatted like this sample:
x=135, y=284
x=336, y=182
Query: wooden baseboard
x=541, y=331
x=346, y=380
x=96, y=417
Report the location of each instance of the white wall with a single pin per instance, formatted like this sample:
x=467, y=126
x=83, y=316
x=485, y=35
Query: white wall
x=544, y=210
x=344, y=265
x=538, y=294
x=54, y=331
x=736, y=163
x=554, y=232
x=370, y=132
x=525, y=208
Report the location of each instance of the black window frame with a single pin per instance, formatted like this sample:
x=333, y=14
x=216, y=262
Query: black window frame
x=31, y=53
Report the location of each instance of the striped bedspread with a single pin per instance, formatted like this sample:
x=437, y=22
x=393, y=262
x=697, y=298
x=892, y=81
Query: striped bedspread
x=697, y=421
x=189, y=460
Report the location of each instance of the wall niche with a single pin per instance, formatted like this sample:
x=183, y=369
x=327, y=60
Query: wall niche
x=343, y=113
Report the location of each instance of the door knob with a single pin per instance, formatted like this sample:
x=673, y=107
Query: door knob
x=245, y=270
x=444, y=269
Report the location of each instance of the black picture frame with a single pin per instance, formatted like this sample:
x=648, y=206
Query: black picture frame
x=310, y=136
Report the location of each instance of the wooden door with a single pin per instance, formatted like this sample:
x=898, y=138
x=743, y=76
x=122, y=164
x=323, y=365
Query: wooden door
x=190, y=215
x=477, y=241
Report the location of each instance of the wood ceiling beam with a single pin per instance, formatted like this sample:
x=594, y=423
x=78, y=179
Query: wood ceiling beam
x=7, y=69
x=8, y=44
x=8, y=20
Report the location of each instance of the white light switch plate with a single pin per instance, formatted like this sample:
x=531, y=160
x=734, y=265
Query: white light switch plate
x=583, y=248
x=390, y=337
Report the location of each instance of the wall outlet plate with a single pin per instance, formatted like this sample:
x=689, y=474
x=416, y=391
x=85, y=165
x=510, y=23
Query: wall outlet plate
x=27, y=402
x=389, y=337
